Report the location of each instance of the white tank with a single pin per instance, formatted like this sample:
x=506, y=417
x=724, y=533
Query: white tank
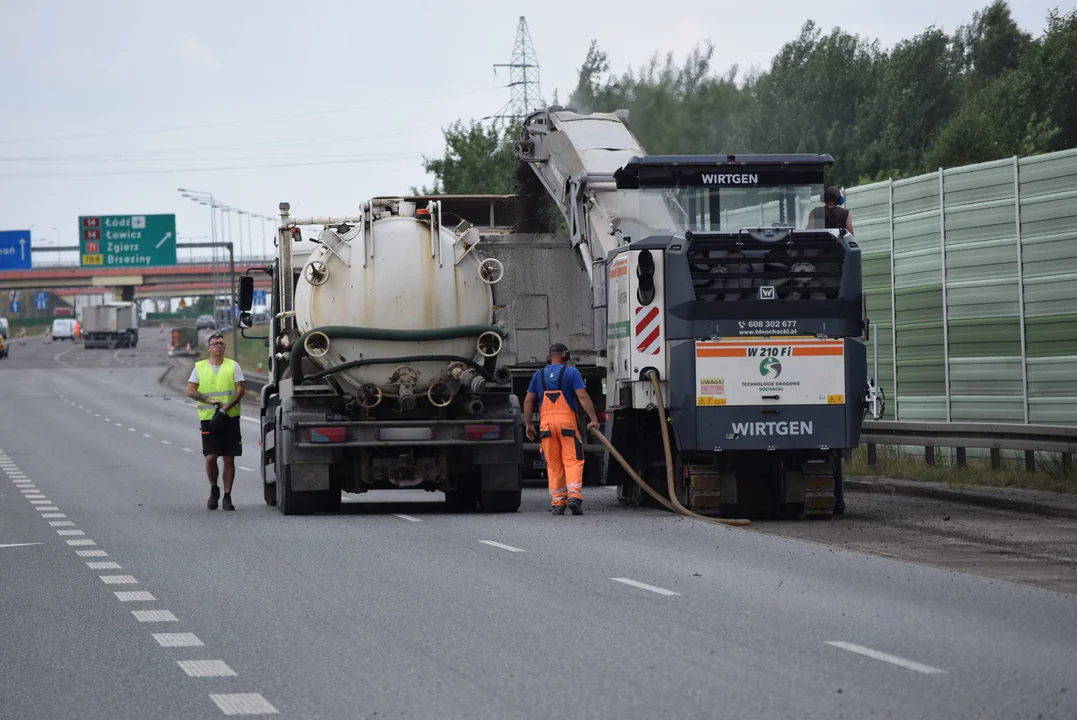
x=403, y=286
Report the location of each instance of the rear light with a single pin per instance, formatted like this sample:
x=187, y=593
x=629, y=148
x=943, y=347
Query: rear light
x=328, y=434
x=482, y=432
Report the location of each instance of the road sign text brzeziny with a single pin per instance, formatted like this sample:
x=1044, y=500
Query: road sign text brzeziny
x=127, y=240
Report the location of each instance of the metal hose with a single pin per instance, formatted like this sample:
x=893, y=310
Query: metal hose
x=675, y=505
x=361, y=333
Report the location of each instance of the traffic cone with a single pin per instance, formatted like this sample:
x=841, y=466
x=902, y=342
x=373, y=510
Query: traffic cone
x=259, y=368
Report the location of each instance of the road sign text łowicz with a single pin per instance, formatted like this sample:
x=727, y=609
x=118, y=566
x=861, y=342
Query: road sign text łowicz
x=127, y=240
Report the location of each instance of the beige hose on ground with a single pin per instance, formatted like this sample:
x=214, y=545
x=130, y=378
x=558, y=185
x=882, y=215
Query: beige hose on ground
x=675, y=505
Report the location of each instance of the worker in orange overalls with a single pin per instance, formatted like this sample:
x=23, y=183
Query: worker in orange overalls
x=559, y=390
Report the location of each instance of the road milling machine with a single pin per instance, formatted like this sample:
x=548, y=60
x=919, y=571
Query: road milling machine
x=715, y=283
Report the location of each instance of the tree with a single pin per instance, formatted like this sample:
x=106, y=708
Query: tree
x=478, y=160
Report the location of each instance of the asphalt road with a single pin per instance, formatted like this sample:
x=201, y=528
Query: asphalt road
x=123, y=597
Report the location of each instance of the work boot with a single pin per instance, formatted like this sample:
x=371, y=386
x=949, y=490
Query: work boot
x=214, y=493
x=558, y=509
x=576, y=506
x=226, y=502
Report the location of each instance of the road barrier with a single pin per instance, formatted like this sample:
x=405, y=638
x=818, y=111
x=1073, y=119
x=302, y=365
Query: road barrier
x=995, y=437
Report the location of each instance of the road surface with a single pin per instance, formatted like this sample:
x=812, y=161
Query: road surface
x=123, y=597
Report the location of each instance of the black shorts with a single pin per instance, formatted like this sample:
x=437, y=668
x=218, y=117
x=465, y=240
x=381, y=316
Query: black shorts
x=225, y=440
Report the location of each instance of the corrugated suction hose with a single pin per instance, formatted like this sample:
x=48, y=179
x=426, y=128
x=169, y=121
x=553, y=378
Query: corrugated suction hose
x=675, y=505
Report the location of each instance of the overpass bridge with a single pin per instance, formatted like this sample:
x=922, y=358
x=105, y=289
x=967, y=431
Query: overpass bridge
x=60, y=278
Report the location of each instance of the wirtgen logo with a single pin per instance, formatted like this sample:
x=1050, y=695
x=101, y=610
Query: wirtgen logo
x=770, y=365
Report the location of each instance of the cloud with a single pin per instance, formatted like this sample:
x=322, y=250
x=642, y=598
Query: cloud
x=197, y=52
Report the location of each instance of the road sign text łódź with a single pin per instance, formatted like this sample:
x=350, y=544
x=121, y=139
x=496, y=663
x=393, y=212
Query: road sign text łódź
x=127, y=240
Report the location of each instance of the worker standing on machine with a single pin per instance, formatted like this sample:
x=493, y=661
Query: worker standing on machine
x=559, y=390
x=831, y=215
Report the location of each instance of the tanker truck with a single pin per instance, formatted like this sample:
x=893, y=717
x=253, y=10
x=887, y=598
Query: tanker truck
x=385, y=363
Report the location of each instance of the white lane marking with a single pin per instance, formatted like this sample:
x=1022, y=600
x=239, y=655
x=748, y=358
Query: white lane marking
x=91, y=553
x=409, y=518
x=118, y=579
x=243, y=704
x=245, y=468
x=80, y=543
x=53, y=515
x=96, y=415
x=146, y=435
x=510, y=548
x=108, y=419
x=35, y=495
x=42, y=501
x=167, y=442
x=134, y=596
x=187, y=450
x=154, y=616
x=109, y=565
x=27, y=490
x=131, y=430
x=118, y=424
x=61, y=523
x=69, y=532
x=9, y=545
x=206, y=668
x=177, y=640
x=886, y=657
x=47, y=508
x=81, y=408
x=645, y=586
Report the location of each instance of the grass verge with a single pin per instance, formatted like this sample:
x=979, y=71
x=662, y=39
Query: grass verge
x=1050, y=474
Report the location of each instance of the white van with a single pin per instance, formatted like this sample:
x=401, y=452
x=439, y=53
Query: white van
x=63, y=329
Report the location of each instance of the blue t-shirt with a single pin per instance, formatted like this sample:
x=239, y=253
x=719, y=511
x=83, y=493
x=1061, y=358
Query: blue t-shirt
x=547, y=377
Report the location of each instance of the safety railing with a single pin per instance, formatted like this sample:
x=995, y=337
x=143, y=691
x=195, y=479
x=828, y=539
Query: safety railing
x=995, y=437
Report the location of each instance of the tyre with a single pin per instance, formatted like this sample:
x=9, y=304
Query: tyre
x=269, y=492
x=500, y=501
x=288, y=501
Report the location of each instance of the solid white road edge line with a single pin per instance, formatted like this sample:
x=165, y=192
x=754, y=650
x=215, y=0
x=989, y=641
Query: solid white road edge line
x=510, y=548
x=886, y=657
x=645, y=586
x=11, y=545
x=409, y=518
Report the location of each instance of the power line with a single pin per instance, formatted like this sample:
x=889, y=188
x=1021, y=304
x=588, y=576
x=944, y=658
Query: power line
x=421, y=98
x=209, y=169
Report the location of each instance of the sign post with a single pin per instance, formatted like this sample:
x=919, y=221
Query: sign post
x=127, y=240
x=15, y=250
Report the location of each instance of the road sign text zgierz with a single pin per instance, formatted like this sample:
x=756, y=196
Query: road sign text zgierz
x=127, y=240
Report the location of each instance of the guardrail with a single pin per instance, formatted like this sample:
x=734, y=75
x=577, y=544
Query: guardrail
x=961, y=436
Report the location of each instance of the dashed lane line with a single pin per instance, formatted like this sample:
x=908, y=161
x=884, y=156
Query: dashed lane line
x=107, y=565
x=47, y=508
x=118, y=579
x=150, y=616
x=146, y=435
x=409, y=518
x=206, y=668
x=243, y=704
x=167, y=442
x=510, y=548
x=70, y=532
x=244, y=468
x=61, y=523
x=80, y=543
x=134, y=596
x=645, y=586
x=177, y=640
x=91, y=553
x=886, y=657
x=14, y=545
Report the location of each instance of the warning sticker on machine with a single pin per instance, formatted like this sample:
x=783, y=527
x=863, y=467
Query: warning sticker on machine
x=805, y=371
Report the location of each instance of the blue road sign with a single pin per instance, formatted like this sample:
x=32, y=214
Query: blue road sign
x=14, y=250
x=41, y=300
x=259, y=297
x=15, y=306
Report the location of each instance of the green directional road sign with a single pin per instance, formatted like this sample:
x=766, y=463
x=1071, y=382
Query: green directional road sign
x=131, y=241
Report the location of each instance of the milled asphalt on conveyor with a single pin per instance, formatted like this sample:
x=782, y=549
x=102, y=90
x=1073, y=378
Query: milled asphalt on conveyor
x=405, y=610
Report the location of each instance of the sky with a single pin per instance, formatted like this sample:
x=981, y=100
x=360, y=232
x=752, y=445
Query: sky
x=108, y=107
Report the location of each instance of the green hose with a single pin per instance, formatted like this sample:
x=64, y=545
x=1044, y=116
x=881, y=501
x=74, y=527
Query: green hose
x=361, y=333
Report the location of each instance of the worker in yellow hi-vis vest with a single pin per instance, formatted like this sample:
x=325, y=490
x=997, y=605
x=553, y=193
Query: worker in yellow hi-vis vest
x=217, y=385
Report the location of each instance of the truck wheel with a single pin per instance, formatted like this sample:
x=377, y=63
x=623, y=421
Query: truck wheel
x=288, y=501
x=269, y=492
x=500, y=501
